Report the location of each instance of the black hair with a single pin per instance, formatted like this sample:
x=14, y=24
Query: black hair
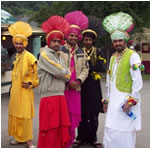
x=90, y=35
x=137, y=47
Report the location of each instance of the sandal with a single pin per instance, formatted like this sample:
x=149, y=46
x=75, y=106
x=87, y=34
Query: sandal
x=13, y=142
x=76, y=144
x=32, y=146
x=97, y=145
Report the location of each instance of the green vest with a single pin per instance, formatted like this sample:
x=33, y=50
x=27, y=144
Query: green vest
x=123, y=77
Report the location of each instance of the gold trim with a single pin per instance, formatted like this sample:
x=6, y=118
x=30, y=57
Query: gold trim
x=55, y=64
x=89, y=30
x=74, y=26
x=50, y=61
x=54, y=31
x=67, y=76
x=20, y=35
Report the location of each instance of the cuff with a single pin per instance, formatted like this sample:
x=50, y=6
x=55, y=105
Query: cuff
x=31, y=85
x=105, y=101
x=131, y=101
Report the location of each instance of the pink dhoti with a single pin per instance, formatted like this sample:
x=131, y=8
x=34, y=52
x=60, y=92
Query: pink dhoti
x=74, y=107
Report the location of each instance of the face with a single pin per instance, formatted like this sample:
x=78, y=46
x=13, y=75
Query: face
x=119, y=45
x=19, y=47
x=72, y=39
x=88, y=42
x=55, y=44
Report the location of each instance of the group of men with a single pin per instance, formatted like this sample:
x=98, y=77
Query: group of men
x=69, y=84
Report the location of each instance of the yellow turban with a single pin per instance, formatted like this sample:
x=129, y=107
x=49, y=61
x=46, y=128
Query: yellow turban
x=20, y=32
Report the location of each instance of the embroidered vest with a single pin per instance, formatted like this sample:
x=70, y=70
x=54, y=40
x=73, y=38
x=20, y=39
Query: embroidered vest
x=123, y=77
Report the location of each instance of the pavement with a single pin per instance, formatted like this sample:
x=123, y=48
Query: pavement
x=143, y=136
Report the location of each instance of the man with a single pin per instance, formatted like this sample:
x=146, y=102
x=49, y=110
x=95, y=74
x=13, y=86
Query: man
x=24, y=79
x=53, y=74
x=91, y=94
x=75, y=59
x=123, y=84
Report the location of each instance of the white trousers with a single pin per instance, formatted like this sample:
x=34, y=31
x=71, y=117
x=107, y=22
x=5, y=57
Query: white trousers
x=119, y=139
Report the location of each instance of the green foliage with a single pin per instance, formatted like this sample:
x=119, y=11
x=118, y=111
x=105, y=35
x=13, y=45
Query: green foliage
x=56, y=8
x=40, y=11
x=23, y=7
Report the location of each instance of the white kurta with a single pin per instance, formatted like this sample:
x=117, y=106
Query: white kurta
x=116, y=119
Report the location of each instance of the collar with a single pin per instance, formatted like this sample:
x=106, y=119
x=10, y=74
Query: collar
x=68, y=47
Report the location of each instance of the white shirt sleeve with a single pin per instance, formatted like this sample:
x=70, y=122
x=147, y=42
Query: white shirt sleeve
x=107, y=85
x=136, y=76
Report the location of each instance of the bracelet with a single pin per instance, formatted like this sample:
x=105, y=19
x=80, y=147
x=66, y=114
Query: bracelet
x=105, y=101
x=136, y=66
x=30, y=85
x=142, y=67
x=131, y=101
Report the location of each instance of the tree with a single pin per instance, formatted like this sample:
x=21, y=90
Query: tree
x=40, y=11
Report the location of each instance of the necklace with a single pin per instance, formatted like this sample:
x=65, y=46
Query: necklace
x=19, y=64
x=89, y=52
x=116, y=63
x=119, y=55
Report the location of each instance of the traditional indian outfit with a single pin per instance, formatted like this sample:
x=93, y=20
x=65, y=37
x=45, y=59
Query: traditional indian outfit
x=21, y=104
x=54, y=119
x=124, y=82
x=73, y=102
x=79, y=70
x=119, y=127
x=76, y=61
x=91, y=93
x=53, y=114
x=91, y=96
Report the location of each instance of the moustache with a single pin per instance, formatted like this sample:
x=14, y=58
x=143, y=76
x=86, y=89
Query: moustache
x=56, y=46
x=118, y=46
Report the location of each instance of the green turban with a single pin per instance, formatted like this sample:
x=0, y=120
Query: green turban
x=119, y=35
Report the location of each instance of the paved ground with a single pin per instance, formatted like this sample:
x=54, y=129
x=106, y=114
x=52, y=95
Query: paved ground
x=143, y=136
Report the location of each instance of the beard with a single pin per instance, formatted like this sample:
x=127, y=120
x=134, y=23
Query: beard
x=56, y=48
x=119, y=48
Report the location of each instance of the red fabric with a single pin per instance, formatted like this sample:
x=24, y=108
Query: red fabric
x=54, y=138
x=56, y=35
x=55, y=23
x=54, y=122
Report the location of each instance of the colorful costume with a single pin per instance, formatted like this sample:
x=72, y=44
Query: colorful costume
x=122, y=80
x=91, y=94
x=75, y=59
x=21, y=104
x=53, y=74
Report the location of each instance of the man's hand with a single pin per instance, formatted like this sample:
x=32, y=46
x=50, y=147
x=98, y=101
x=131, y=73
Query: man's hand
x=126, y=107
x=73, y=85
x=25, y=85
x=105, y=106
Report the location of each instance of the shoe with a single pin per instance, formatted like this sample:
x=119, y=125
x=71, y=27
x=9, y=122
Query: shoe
x=13, y=142
x=97, y=145
x=32, y=146
x=76, y=144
